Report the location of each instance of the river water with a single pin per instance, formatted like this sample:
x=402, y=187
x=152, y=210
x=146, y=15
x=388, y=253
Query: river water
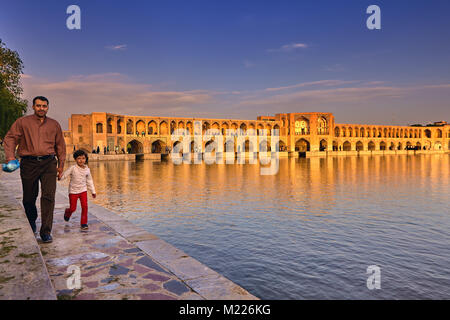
x=308, y=232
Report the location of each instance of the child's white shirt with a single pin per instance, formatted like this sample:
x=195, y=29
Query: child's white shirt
x=80, y=179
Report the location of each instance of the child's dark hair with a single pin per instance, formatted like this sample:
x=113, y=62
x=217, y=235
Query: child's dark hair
x=79, y=153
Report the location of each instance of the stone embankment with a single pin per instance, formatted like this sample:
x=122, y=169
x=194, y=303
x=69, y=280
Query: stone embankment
x=23, y=274
x=115, y=259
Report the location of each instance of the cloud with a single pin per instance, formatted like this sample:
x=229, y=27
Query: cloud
x=313, y=83
x=327, y=96
x=114, y=93
x=364, y=102
x=289, y=47
x=373, y=83
x=437, y=86
x=357, y=101
x=118, y=47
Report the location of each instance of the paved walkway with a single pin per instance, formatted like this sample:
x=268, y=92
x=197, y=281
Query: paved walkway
x=23, y=274
x=118, y=260
x=111, y=267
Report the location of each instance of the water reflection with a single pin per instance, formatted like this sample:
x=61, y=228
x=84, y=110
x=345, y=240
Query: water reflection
x=309, y=231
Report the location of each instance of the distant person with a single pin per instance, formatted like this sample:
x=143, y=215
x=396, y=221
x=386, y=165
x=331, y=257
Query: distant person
x=40, y=139
x=104, y=150
x=98, y=149
x=80, y=181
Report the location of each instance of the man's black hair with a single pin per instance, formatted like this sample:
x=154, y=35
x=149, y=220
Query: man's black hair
x=79, y=153
x=40, y=98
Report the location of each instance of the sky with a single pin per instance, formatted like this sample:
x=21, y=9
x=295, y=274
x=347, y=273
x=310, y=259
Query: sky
x=236, y=59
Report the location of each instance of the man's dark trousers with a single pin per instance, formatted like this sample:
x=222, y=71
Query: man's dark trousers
x=32, y=171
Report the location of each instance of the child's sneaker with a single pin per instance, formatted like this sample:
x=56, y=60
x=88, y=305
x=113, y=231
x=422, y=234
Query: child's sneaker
x=84, y=227
x=66, y=217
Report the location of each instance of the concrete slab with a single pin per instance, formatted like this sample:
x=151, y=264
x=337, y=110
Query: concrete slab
x=217, y=287
x=161, y=250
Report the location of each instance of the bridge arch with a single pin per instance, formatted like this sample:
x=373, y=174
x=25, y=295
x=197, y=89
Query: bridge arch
x=243, y=127
x=179, y=145
x=281, y=146
x=229, y=146
x=277, y=127
x=158, y=146
x=152, y=128
x=336, y=132
x=129, y=126
x=264, y=145
x=347, y=146
x=323, y=145
x=302, y=145
x=135, y=146
x=195, y=147
x=250, y=147
x=437, y=145
x=189, y=130
x=163, y=128
x=359, y=146
x=211, y=146
x=335, y=146
x=140, y=127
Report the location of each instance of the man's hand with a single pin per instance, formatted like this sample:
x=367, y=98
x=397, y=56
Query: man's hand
x=94, y=195
x=60, y=173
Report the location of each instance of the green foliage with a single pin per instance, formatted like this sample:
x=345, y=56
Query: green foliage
x=10, y=70
x=12, y=106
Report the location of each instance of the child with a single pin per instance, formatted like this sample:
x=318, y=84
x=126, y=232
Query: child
x=80, y=182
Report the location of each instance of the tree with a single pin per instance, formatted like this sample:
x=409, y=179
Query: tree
x=12, y=106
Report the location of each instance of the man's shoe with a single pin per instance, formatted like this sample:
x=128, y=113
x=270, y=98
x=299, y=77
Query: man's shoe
x=46, y=238
x=84, y=227
x=66, y=218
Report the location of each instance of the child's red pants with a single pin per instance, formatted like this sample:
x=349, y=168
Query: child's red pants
x=73, y=198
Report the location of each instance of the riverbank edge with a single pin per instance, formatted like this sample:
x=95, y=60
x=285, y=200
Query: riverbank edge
x=201, y=279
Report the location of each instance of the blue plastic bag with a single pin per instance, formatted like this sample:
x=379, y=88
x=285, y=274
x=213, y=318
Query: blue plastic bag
x=11, y=166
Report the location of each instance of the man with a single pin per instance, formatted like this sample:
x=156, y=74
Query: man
x=40, y=139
